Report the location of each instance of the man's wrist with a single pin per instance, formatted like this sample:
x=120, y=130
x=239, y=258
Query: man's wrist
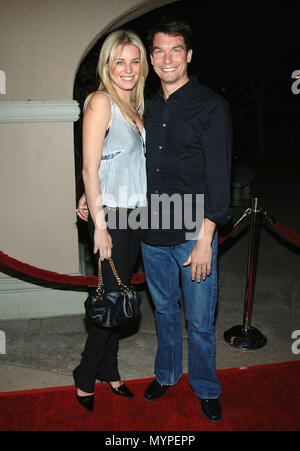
x=207, y=231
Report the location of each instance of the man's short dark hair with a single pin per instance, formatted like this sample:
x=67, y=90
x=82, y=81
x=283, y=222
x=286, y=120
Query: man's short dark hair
x=172, y=27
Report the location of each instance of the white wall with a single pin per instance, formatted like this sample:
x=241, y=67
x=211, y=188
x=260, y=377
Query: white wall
x=42, y=44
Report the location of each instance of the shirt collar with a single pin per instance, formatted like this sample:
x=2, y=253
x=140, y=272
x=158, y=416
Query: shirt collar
x=183, y=90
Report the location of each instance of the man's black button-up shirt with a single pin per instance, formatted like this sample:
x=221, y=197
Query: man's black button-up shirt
x=188, y=151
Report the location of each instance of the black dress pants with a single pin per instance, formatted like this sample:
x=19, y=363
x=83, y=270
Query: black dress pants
x=100, y=356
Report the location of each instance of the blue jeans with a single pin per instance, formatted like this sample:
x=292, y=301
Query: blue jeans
x=163, y=271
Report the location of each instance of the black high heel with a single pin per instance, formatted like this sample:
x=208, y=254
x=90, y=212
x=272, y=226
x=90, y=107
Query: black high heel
x=86, y=401
x=122, y=391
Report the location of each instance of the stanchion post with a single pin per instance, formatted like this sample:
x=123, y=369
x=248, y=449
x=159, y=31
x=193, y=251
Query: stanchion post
x=252, y=263
x=246, y=337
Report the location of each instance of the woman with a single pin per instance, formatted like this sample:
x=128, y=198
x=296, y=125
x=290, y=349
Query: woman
x=113, y=164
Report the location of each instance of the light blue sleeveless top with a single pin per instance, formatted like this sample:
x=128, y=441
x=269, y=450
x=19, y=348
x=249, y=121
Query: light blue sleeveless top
x=122, y=170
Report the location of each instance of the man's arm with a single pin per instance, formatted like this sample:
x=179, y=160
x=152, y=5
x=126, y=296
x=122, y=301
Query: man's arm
x=201, y=255
x=217, y=146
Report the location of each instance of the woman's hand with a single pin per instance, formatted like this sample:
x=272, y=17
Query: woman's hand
x=82, y=208
x=102, y=243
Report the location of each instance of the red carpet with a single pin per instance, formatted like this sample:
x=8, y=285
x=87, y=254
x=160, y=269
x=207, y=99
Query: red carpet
x=254, y=398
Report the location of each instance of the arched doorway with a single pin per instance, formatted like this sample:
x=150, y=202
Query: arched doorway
x=87, y=81
x=229, y=56
x=206, y=24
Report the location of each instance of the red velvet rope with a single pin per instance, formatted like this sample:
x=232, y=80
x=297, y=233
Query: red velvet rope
x=223, y=238
x=51, y=276
x=43, y=274
x=292, y=236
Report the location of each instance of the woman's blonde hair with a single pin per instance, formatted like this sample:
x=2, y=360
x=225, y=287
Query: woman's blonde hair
x=105, y=65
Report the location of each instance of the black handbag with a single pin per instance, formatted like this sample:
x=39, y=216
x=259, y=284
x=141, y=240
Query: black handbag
x=112, y=308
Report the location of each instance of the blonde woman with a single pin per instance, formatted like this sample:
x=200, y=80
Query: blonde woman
x=113, y=165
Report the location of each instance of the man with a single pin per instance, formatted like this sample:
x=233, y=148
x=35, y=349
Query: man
x=188, y=151
x=188, y=130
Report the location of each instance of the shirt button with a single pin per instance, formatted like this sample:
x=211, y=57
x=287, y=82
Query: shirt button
x=156, y=191
x=160, y=147
x=164, y=125
x=157, y=169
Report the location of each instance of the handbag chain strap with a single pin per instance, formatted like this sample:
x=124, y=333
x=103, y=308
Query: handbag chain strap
x=100, y=286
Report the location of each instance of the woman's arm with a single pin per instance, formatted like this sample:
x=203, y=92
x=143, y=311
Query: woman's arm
x=95, y=123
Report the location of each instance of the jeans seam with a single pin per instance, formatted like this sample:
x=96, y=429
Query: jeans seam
x=173, y=354
x=171, y=371
x=211, y=300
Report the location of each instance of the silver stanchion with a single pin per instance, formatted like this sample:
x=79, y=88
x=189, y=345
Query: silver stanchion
x=246, y=337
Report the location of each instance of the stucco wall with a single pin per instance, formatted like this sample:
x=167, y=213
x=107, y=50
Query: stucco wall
x=42, y=44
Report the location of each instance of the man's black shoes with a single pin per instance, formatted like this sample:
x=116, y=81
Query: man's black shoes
x=155, y=391
x=211, y=409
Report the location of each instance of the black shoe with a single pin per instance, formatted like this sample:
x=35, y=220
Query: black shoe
x=122, y=391
x=155, y=391
x=211, y=409
x=86, y=401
